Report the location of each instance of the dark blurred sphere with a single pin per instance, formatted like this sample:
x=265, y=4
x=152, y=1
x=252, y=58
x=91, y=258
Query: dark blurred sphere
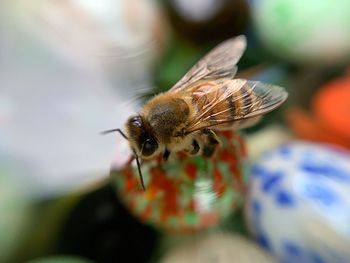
x=101, y=229
x=207, y=20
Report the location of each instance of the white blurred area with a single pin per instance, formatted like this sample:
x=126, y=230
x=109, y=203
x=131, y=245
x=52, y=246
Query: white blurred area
x=218, y=247
x=68, y=70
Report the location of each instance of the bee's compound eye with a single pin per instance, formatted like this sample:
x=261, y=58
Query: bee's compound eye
x=149, y=147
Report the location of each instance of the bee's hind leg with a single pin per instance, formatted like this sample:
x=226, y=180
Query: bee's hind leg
x=194, y=147
x=205, y=143
x=210, y=142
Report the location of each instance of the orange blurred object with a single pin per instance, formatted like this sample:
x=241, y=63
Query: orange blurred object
x=332, y=106
x=306, y=126
x=329, y=119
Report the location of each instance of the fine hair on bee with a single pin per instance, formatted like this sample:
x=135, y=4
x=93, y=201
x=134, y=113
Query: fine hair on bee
x=207, y=99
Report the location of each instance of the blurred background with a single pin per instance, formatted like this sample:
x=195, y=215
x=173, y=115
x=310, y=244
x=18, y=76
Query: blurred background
x=70, y=69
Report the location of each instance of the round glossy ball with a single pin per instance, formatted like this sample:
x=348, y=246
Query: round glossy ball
x=305, y=31
x=298, y=203
x=185, y=193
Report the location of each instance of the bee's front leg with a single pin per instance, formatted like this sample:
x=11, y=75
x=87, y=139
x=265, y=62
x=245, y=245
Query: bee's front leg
x=166, y=154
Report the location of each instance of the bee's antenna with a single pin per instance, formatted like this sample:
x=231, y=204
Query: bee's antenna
x=115, y=130
x=135, y=155
x=139, y=169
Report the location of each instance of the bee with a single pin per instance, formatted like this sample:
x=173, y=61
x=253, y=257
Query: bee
x=206, y=99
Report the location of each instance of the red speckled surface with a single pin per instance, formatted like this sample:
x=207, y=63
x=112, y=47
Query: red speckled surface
x=186, y=193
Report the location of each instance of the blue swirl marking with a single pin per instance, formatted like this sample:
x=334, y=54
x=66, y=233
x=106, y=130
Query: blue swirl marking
x=283, y=198
x=257, y=170
x=271, y=181
x=320, y=193
x=325, y=169
x=263, y=241
x=285, y=151
x=256, y=207
x=291, y=249
x=315, y=258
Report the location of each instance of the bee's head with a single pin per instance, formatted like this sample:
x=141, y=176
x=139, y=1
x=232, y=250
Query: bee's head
x=141, y=136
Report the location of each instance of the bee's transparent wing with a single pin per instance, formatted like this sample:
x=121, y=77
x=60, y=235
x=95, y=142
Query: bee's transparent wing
x=233, y=103
x=218, y=63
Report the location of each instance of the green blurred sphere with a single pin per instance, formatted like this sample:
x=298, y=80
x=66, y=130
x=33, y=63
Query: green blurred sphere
x=302, y=31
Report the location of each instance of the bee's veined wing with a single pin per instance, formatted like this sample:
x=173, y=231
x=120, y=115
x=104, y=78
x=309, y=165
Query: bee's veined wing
x=233, y=103
x=218, y=63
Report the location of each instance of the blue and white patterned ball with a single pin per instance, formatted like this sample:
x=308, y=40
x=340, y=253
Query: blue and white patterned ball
x=298, y=204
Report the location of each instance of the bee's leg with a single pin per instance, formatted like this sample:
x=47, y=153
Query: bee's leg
x=195, y=148
x=210, y=142
x=166, y=154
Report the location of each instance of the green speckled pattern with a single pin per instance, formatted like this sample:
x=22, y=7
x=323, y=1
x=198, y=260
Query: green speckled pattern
x=186, y=193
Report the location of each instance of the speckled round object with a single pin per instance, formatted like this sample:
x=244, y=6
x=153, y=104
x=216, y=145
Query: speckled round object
x=298, y=203
x=218, y=247
x=185, y=193
x=305, y=31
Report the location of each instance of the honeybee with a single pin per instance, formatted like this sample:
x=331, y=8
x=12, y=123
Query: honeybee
x=205, y=100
